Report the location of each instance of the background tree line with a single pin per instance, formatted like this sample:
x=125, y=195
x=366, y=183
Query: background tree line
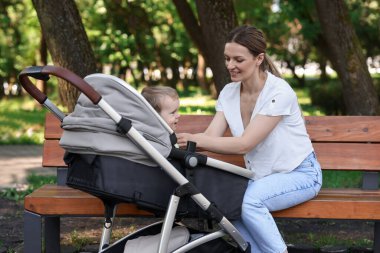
x=172, y=42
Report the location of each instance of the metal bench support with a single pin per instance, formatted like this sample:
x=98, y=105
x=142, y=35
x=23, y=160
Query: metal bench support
x=52, y=234
x=376, y=238
x=32, y=232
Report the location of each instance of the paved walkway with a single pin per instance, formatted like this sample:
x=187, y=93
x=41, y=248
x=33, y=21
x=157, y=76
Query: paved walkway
x=18, y=161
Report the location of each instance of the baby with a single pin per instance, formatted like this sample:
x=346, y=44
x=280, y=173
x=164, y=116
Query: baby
x=165, y=101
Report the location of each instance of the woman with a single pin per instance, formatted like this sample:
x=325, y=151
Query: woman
x=267, y=126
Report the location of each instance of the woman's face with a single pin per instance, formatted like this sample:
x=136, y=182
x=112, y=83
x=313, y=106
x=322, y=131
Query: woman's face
x=240, y=63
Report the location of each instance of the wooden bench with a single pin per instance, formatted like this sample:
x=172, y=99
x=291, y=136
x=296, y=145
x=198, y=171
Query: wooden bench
x=344, y=143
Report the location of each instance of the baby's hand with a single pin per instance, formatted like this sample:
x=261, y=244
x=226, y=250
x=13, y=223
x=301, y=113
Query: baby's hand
x=183, y=138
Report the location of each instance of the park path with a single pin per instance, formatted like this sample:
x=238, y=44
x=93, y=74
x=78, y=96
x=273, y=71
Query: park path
x=18, y=161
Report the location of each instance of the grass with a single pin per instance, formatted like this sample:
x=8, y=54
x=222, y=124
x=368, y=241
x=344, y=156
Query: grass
x=324, y=240
x=342, y=179
x=33, y=182
x=79, y=241
x=21, y=121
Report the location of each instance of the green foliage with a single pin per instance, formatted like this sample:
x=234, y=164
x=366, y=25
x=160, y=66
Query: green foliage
x=33, y=182
x=319, y=240
x=21, y=121
x=136, y=36
x=130, y=37
x=19, y=29
x=365, y=17
x=291, y=31
x=304, y=101
x=79, y=241
x=329, y=97
x=342, y=179
x=13, y=194
x=326, y=240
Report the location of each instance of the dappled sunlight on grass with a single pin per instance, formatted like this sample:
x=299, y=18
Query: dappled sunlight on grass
x=198, y=100
x=20, y=103
x=21, y=121
x=200, y=104
x=305, y=102
x=205, y=104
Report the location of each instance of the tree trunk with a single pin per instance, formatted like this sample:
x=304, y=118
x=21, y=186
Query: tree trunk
x=41, y=84
x=216, y=20
x=67, y=42
x=347, y=58
x=201, y=73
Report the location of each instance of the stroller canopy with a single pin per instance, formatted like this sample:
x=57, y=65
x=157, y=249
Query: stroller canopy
x=89, y=130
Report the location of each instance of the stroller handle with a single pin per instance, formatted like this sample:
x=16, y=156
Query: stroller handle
x=43, y=72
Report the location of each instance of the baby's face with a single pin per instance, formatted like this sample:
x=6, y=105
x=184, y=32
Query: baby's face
x=169, y=111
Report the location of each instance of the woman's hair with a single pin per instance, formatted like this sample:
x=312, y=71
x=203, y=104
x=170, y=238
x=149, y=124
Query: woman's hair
x=155, y=94
x=253, y=39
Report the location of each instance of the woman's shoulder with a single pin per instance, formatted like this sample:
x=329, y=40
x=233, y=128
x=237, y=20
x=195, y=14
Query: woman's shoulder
x=279, y=84
x=232, y=86
x=230, y=89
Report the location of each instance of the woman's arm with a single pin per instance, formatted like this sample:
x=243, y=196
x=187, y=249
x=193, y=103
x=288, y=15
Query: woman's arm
x=216, y=128
x=218, y=125
x=257, y=130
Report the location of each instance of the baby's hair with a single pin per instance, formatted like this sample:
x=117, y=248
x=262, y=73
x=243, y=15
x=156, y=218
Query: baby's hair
x=155, y=94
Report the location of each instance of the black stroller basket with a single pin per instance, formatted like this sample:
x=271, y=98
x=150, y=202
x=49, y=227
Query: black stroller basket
x=159, y=188
x=120, y=180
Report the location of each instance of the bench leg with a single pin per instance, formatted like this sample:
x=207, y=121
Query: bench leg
x=52, y=234
x=32, y=232
x=376, y=238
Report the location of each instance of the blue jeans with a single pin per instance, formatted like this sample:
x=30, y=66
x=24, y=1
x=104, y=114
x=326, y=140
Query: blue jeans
x=272, y=193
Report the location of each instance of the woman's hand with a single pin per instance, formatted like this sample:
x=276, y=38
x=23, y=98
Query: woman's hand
x=183, y=138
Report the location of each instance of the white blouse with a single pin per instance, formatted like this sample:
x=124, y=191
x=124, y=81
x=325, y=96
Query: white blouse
x=288, y=144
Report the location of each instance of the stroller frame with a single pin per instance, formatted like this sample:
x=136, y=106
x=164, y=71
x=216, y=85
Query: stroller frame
x=125, y=127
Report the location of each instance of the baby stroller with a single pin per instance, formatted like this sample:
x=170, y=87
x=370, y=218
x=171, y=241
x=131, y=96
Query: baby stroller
x=129, y=155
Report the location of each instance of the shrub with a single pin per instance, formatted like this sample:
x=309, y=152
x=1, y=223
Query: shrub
x=328, y=96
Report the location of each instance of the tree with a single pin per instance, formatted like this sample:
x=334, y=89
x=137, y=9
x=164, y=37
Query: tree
x=347, y=58
x=365, y=17
x=138, y=38
x=17, y=50
x=67, y=42
x=41, y=84
x=289, y=28
x=209, y=31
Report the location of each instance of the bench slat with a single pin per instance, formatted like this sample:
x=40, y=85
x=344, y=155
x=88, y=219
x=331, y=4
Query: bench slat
x=348, y=156
x=343, y=128
x=334, y=209
x=320, y=129
x=53, y=130
x=62, y=200
x=332, y=156
x=53, y=154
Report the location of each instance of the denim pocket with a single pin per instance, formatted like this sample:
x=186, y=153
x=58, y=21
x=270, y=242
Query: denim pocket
x=318, y=176
x=312, y=168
